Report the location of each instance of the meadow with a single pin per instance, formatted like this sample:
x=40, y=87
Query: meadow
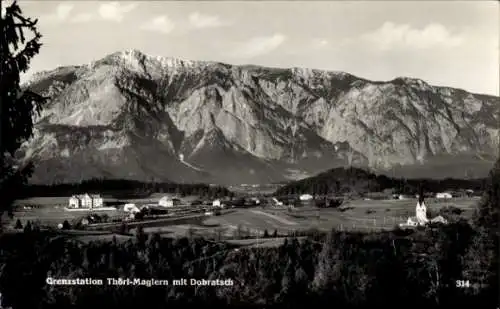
x=354, y=215
x=357, y=215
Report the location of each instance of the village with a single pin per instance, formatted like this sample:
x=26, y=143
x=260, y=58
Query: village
x=247, y=214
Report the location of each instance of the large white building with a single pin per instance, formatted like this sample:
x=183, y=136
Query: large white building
x=86, y=201
x=444, y=195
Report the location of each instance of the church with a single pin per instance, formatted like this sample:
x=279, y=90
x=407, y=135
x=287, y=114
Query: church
x=420, y=218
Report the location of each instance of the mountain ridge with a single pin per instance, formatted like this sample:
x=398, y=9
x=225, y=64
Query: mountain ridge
x=291, y=119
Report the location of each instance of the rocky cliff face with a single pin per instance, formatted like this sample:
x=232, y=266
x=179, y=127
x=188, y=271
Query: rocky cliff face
x=133, y=116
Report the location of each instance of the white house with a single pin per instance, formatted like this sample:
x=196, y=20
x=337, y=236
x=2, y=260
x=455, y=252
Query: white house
x=166, y=202
x=276, y=202
x=216, y=203
x=443, y=195
x=131, y=208
x=74, y=202
x=255, y=200
x=86, y=201
x=305, y=197
x=97, y=201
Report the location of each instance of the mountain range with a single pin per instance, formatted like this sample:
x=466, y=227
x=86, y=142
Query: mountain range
x=139, y=117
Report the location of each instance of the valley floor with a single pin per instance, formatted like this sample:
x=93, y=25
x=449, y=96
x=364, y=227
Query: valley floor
x=257, y=222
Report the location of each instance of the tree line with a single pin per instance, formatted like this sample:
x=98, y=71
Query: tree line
x=120, y=188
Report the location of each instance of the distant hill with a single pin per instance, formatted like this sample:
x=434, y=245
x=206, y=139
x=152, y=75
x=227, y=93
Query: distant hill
x=344, y=180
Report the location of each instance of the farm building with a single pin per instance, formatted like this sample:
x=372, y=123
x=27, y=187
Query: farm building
x=131, y=208
x=86, y=201
x=276, y=202
x=306, y=197
x=167, y=201
x=255, y=200
x=216, y=203
x=443, y=195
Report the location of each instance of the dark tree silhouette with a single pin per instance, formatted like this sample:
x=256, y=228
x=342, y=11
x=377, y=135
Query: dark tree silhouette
x=28, y=228
x=483, y=256
x=488, y=211
x=19, y=225
x=266, y=234
x=123, y=229
x=17, y=106
x=66, y=225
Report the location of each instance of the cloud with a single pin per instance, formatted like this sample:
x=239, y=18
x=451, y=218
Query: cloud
x=62, y=13
x=259, y=46
x=109, y=11
x=319, y=42
x=114, y=11
x=393, y=36
x=161, y=24
x=199, y=21
x=83, y=18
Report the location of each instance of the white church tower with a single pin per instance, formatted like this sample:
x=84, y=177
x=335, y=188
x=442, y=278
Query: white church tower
x=421, y=212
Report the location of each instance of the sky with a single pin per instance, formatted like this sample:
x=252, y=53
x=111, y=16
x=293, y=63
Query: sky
x=446, y=43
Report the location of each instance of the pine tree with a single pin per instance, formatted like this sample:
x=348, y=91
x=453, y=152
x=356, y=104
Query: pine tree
x=123, y=229
x=27, y=227
x=275, y=233
x=266, y=234
x=17, y=106
x=19, y=225
x=141, y=236
x=66, y=225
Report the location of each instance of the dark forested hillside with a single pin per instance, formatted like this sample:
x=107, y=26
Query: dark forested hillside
x=123, y=189
x=355, y=180
x=382, y=269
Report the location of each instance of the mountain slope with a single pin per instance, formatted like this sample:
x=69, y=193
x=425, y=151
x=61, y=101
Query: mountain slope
x=129, y=114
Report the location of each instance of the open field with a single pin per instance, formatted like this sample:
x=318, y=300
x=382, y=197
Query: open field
x=363, y=215
x=357, y=215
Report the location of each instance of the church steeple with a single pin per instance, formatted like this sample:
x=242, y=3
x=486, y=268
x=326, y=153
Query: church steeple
x=421, y=194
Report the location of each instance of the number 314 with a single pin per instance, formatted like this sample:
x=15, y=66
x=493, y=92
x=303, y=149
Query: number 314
x=462, y=283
